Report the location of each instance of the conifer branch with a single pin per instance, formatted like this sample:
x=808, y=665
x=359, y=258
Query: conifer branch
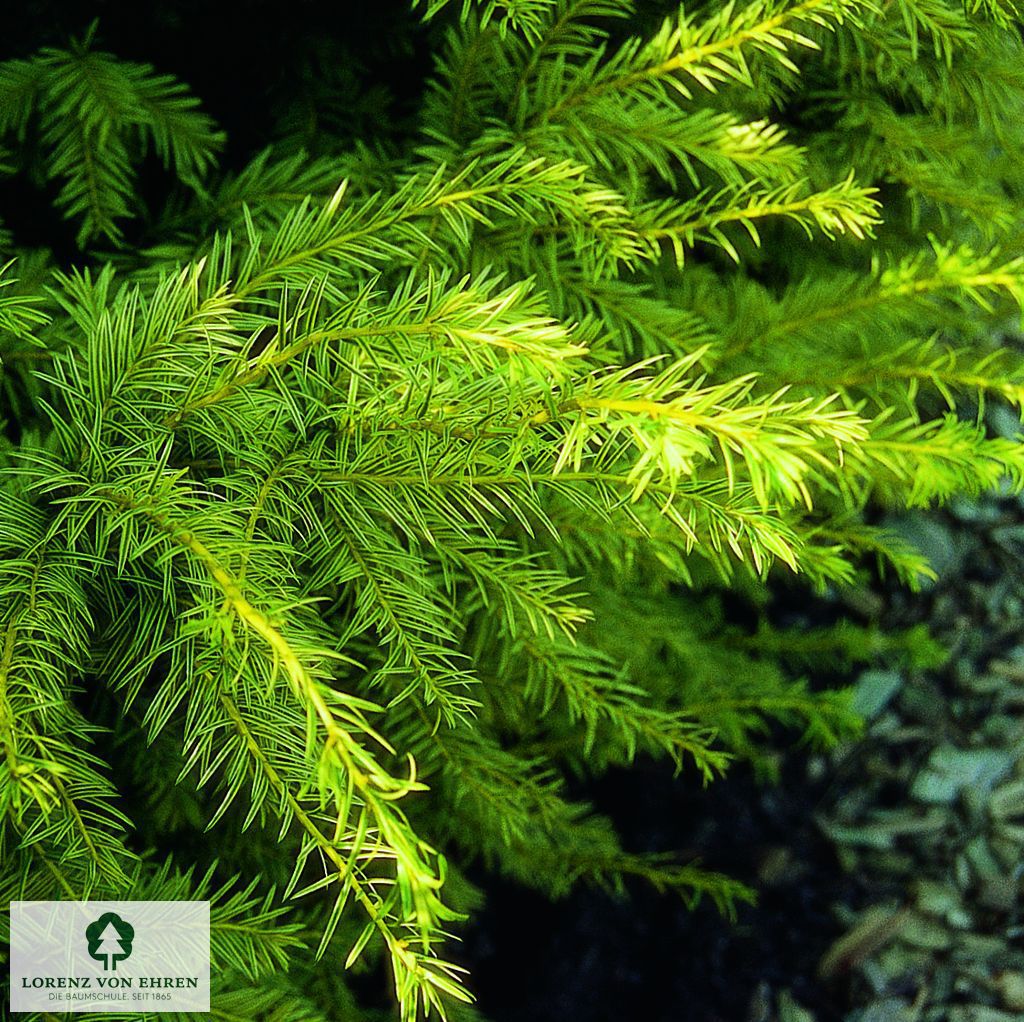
x=843, y=208
x=436, y=460
x=709, y=52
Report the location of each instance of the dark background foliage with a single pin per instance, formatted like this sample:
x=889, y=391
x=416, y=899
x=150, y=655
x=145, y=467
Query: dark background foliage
x=322, y=73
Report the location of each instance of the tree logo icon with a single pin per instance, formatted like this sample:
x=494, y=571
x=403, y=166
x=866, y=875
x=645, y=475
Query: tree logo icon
x=110, y=940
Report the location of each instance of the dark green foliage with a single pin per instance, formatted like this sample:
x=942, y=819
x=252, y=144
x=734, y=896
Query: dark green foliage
x=350, y=518
x=93, y=118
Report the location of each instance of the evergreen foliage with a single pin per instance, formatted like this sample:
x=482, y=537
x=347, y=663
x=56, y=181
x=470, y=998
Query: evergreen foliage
x=389, y=488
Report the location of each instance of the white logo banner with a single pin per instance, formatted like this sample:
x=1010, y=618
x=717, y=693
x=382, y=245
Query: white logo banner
x=110, y=956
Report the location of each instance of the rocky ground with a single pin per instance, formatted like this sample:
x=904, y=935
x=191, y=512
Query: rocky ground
x=926, y=814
